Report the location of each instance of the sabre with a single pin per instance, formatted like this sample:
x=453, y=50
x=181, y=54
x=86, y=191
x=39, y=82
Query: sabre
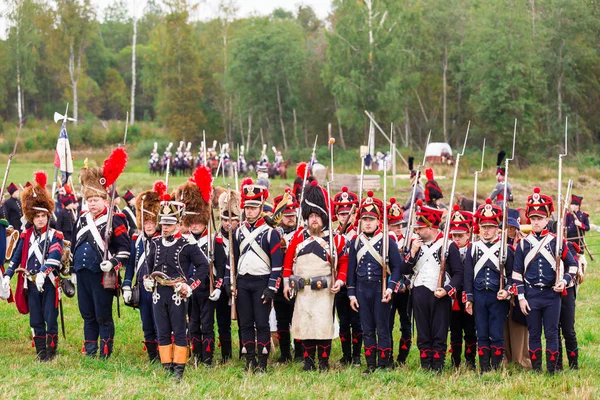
x=559, y=236
x=476, y=182
x=504, y=232
x=411, y=212
x=449, y=214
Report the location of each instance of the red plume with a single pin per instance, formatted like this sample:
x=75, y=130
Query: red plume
x=301, y=170
x=429, y=174
x=160, y=187
x=114, y=166
x=246, y=181
x=41, y=178
x=203, y=179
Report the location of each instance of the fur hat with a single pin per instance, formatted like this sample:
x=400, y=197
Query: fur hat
x=500, y=169
x=196, y=194
x=148, y=203
x=234, y=202
x=316, y=201
x=96, y=181
x=36, y=198
x=539, y=204
x=170, y=211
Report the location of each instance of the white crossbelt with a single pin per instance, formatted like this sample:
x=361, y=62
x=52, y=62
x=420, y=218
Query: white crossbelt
x=250, y=243
x=539, y=247
x=34, y=247
x=142, y=258
x=368, y=247
x=489, y=254
x=92, y=226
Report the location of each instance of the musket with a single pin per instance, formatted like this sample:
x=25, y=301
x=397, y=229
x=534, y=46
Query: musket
x=232, y=276
x=475, y=184
x=349, y=221
x=204, y=147
x=440, y=283
x=580, y=236
x=411, y=212
x=559, y=233
x=312, y=157
x=331, y=143
x=10, y=157
x=386, y=237
x=333, y=250
x=211, y=256
x=504, y=232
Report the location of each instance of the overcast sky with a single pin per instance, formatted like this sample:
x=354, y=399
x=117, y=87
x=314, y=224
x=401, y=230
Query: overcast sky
x=207, y=8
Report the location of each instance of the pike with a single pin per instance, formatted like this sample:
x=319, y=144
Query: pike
x=504, y=233
x=440, y=282
x=386, y=237
x=411, y=212
x=559, y=220
x=231, y=257
x=7, y=170
x=204, y=147
x=211, y=250
x=312, y=157
x=331, y=143
x=475, y=184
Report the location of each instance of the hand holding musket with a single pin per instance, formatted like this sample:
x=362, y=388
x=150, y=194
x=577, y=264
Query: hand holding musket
x=504, y=233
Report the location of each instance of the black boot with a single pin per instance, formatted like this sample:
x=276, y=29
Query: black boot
x=356, y=348
x=40, y=347
x=107, y=347
x=536, y=360
x=298, y=351
x=51, y=346
x=484, y=359
x=426, y=359
x=226, y=349
x=152, y=350
x=573, y=356
x=403, y=350
x=262, y=362
x=208, y=349
x=456, y=351
x=309, y=356
x=497, y=357
x=385, y=359
x=470, y=352
x=323, y=351
x=90, y=348
x=438, y=359
x=178, y=370
x=551, y=359
x=284, y=347
x=371, y=359
x=346, y=343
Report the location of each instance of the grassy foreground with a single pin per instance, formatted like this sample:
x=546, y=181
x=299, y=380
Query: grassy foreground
x=128, y=375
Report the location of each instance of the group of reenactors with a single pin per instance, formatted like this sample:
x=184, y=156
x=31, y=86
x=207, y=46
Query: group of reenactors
x=310, y=257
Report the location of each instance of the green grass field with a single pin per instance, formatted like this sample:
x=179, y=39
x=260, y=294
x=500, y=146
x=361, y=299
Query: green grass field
x=128, y=375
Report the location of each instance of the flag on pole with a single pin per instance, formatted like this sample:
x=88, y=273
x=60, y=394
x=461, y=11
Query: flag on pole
x=62, y=158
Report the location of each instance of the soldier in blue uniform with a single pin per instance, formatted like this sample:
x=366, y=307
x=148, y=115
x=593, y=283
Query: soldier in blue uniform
x=365, y=289
x=258, y=263
x=176, y=266
x=95, y=301
x=13, y=210
x=462, y=324
x=195, y=194
x=129, y=211
x=351, y=333
x=534, y=275
x=487, y=296
x=39, y=287
x=222, y=252
x=284, y=309
x=148, y=204
x=577, y=224
x=431, y=304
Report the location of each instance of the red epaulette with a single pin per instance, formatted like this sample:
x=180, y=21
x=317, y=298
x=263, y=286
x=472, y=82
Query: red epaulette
x=121, y=215
x=586, y=214
x=59, y=235
x=22, y=235
x=135, y=236
x=576, y=247
x=219, y=239
x=512, y=246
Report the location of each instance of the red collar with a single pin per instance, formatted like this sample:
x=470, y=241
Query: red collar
x=101, y=213
x=260, y=221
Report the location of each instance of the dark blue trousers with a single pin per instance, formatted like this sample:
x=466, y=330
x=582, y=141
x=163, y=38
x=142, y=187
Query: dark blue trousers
x=223, y=313
x=252, y=313
x=432, y=316
x=350, y=328
x=567, y=322
x=545, y=312
x=147, y=315
x=170, y=318
x=490, y=315
x=95, y=306
x=374, y=317
x=202, y=324
x=43, y=313
x=400, y=304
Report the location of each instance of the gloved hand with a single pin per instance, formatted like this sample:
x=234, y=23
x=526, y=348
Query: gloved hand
x=74, y=278
x=106, y=266
x=6, y=282
x=127, y=294
x=184, y=289
x=216, y=294
x=268, y=295
x=149, y=284
x=39, y=281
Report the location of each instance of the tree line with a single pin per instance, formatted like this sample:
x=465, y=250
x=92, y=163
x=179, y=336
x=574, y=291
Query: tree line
x=280, y=79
